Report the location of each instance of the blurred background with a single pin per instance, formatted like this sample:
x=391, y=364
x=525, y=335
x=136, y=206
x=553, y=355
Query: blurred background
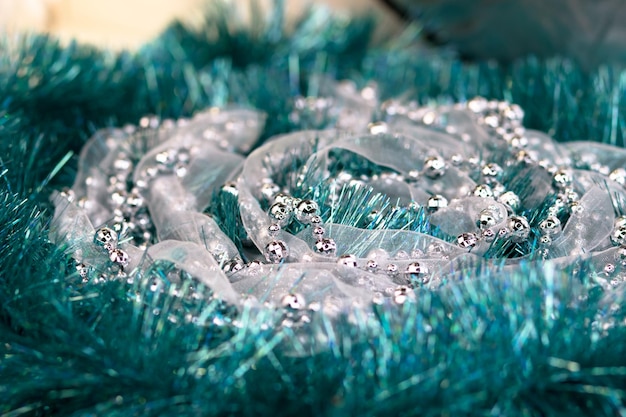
x=129, y=23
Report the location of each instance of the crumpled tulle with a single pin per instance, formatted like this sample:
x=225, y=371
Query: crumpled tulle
x=218, y=141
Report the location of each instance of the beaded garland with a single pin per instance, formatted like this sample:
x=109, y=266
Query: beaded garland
x=447, y=188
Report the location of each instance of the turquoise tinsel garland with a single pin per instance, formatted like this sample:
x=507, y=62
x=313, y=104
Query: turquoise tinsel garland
x=516, y=345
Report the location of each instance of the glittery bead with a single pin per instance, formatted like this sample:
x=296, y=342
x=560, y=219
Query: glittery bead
x=551, y=225
x=562, y=179
x=276, y=251
x=436, y=202
x=305, y=210
x=318, y=232
x=434, y=167
x=106, y=237
x=293, y=301
x=483, y=191
x=326, y=246
x=347, y=260
x=280, y=213
x=518, y=227
x=119, y=257
x=467, y=240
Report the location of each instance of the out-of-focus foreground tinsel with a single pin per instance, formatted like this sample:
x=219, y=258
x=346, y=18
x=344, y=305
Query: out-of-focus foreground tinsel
x=506, y=333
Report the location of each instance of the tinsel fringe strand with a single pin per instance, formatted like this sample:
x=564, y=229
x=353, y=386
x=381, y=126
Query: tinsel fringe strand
x=515, y=345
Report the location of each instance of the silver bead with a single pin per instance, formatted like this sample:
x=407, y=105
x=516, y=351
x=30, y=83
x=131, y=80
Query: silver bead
x=372, y=264
x=305, y=210
x=510, y=200
x=492, y=171
x=436, y=202
x=269, y=190
x=326, y=246
x=467, y=240
x=392, y=269
x=230, y=188
x=347, y=260
x=280, y=213
x=119, y=257
x=489, y=235
x=106, y=238
x=483, y=191
x=486, y=219
x=293, y=301
x=316, y=220
x=562, y=179
x=620, y=255
x=234, y=265
x=619, y=176
x=550, y=226
x=434, y=167
x=401, y=294
x=518, y=227
x=318, y=232
x=378, y=128
x=618, y=235
x=415, y=272
x=609, y=268
x=276, y=251
x=545, y=240
x=273, y=229
x=166, y=159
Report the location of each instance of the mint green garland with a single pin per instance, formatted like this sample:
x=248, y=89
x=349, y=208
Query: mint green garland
x=498, y=346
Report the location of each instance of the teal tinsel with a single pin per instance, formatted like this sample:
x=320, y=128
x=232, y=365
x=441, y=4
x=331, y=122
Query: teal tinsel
x=540, y=342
